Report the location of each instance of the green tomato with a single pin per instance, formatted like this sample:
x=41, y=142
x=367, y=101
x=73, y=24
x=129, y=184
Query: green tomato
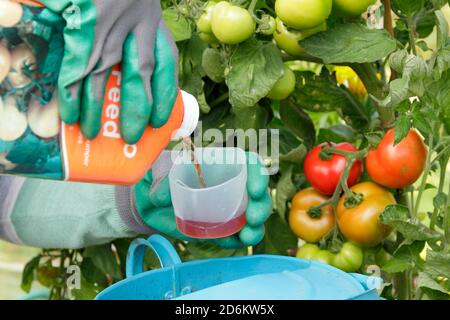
x=284, y=86
x=307, y=251
x=351, y=8
x=382, y=257
x=323, y=256
x=268, y=25
x=349, y=259
x=204, y=22
x=287, y=40
x=303, y=14
x=231, y=24
x=208, y=38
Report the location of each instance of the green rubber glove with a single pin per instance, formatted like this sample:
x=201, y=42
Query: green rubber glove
x=155, y=207
x=102, y=33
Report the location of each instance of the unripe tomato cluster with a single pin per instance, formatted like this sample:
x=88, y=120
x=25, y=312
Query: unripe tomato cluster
x=300, y=19
x=389, y=166
x=224, y=22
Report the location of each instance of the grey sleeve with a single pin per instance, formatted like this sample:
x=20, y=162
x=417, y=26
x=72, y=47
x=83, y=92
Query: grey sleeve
x=126, y=206
x=9, y=190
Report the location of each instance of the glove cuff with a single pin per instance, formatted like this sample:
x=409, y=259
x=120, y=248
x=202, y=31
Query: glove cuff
x=126, y=206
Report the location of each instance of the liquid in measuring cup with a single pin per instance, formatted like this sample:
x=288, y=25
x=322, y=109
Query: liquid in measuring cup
x=218, y=209
x=211, y=230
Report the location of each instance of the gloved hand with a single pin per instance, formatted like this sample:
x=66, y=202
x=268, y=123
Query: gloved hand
x=102, y=33
x=55, y=214
x=155, y=207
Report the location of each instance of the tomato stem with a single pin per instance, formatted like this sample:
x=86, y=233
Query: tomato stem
x=375, y=87
x=423, y=183
x=443, y=168
x=351, y=197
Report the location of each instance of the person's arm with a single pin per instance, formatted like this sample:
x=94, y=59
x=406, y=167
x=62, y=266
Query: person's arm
x=51, y=214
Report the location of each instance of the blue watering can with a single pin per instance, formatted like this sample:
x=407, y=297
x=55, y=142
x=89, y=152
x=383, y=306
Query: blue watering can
x=259, y=277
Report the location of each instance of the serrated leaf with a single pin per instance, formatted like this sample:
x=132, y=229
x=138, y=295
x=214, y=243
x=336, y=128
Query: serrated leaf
x=255, y=67
x=425, y=281
x=213, y=64
x=438, y=264
x=179, y=26
x=397, y=216
x=402, y=127
x=350, y=43
x=440, y=200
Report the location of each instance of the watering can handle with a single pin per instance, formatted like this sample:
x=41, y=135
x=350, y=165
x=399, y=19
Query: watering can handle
x=163, y=249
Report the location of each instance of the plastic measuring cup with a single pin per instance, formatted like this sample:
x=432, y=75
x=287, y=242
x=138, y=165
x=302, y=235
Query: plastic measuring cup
x=218, y=210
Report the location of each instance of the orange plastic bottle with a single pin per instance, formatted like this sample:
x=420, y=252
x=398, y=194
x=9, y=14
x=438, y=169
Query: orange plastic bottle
x=108, y=159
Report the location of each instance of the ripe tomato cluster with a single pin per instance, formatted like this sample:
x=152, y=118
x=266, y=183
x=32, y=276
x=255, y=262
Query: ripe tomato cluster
x=313, y=215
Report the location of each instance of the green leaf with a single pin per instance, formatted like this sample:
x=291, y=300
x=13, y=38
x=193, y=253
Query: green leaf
x=88, y=290
x=255, y=67
x=425, y=281
x=179, y=26
x=298, y=122
x=92, y=273
x=336, y=134
x=322, y=94
x=29, y=272
x=442, y=29
x=191, y=71
x=402, y=127
x=291, y=148
x=440, y=200
x=296, y=155
x=285, y=191
x=397, y=216
x=408, y=7
x=214, y=65
x=279, y=237
x=397, y=265
x=103, y=258
x=405, y=257
x=438, y=264
x=350, y=43
x=207, y=250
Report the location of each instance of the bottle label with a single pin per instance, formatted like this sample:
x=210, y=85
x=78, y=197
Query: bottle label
x=107, y=158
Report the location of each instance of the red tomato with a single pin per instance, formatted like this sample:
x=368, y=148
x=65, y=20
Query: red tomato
x=324, y=174
x=397, y=166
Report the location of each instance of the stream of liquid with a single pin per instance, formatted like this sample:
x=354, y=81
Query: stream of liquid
x=190, y=147
x=203, y=229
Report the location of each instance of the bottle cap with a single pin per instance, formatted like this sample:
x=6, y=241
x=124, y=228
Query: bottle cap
x=191, y=117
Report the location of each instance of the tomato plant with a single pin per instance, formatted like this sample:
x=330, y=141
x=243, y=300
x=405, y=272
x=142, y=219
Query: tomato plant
x=393, y=108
